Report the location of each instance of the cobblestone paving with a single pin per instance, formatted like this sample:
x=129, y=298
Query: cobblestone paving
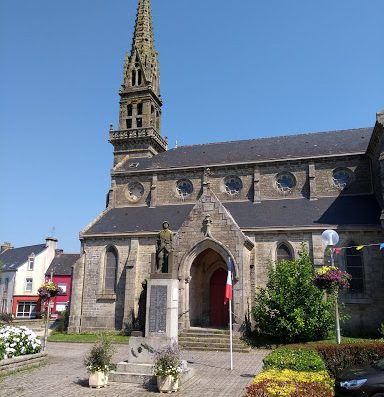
x=65, y=375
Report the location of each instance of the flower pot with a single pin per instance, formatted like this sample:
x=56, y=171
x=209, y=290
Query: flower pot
x=98, y=379
x=167, y=383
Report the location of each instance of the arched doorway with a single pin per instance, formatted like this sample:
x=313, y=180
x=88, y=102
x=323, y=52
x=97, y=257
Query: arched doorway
x=206, y=290
x=219, y=314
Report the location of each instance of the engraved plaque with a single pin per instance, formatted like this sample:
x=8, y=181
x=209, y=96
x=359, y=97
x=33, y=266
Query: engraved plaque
x=158, y=309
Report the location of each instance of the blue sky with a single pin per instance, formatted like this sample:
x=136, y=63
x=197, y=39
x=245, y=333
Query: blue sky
x=229, y=70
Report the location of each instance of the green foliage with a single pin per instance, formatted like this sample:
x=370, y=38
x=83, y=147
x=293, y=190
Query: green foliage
x=100, y=356
x=291, y=307
x=62, y=324
x=300, y=359
x=339, y=357
x=381, y=330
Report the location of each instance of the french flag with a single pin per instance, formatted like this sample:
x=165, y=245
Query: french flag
x=228, y=286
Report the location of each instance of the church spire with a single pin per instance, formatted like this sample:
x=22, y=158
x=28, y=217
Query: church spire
x=143, y=35
x=140, y=103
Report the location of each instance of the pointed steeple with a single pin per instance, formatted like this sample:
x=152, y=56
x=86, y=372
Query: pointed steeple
x=143, y=35
x=140, y=103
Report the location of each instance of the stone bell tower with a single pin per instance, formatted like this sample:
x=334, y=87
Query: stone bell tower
x=140, y=103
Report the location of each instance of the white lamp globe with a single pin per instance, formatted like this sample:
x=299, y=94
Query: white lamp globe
x=330, y=237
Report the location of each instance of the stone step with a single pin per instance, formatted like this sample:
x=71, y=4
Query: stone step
x=214, y=339
x=218, y=349
x=204, y=331
x=213, y=345
x=144, y=369
x=130, y=377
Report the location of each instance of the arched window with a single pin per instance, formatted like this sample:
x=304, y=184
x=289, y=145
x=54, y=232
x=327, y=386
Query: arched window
x=110, y=270
x=133, y=77
x=354, y=266
x=283, y=253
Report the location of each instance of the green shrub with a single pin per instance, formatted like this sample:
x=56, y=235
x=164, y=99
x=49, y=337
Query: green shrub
x=291, y=307
x=381, y=330
x=300, y=359
x=339, y=357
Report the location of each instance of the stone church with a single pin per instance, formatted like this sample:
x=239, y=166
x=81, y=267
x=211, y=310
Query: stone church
x=253, y=201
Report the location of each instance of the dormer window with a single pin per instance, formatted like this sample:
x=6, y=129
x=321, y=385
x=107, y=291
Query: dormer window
x=31, y=262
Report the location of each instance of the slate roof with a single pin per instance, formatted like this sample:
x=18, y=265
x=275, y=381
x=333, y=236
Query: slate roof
x=341, y=210
x=13, y=258
x=261, y=149
x=61, y=265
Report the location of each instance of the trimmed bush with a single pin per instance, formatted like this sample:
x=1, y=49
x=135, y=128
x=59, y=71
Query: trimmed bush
x=291, y=308
x=301, y=359
x=288, y=383
x=339, y=357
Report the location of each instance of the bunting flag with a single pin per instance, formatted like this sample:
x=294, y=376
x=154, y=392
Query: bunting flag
x=337, y=250
x=228, y=287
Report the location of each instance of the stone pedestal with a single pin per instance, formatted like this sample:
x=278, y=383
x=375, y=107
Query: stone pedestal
x=161, y=329
x=162, y=309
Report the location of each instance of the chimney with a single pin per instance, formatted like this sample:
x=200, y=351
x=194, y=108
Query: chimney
x=5, y=246
x=51, y=242
x=58, y=251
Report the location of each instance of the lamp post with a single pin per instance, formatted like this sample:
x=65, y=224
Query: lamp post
x=331, y=238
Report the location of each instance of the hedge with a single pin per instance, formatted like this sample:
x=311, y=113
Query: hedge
x=300, y=359
x=339, y=357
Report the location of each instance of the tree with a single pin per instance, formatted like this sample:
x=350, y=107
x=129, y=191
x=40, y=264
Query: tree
x=291, y=307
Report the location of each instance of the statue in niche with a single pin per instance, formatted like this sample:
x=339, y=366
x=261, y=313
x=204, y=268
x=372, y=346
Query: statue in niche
x=164, y=248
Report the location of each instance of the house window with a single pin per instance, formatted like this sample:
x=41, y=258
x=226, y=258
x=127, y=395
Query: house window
x=26, y=309
x=110, y=270
x=60, y=307
x=139, y=122
x=283, y=253
x=354, y=266
x=63, y=287
x=31, y=262
x=139, y=108
x=28, y=284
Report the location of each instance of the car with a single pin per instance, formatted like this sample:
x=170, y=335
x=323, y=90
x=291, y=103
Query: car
x=367, y=381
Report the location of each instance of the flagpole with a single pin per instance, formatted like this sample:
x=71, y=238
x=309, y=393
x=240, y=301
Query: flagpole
x=230, y=332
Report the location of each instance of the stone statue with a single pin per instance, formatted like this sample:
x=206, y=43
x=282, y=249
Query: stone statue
x=164, y=247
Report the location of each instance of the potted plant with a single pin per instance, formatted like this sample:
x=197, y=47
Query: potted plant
x=331, y=278
x=98, y=362
x=48, y=290
x=168, y=368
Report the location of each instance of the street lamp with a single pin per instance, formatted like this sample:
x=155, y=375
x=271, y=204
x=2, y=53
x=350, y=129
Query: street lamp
x=331, y=238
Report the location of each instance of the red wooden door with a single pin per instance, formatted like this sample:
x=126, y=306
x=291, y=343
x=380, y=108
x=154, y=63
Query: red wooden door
x=219, y=315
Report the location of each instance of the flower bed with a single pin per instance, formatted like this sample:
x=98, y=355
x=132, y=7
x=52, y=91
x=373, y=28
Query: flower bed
x=18, y=341
x=292, y=373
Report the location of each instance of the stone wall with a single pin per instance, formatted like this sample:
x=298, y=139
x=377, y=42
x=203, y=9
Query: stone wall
x=166, y=192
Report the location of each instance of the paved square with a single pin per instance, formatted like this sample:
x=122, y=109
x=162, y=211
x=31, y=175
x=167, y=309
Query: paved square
x=65, y=375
